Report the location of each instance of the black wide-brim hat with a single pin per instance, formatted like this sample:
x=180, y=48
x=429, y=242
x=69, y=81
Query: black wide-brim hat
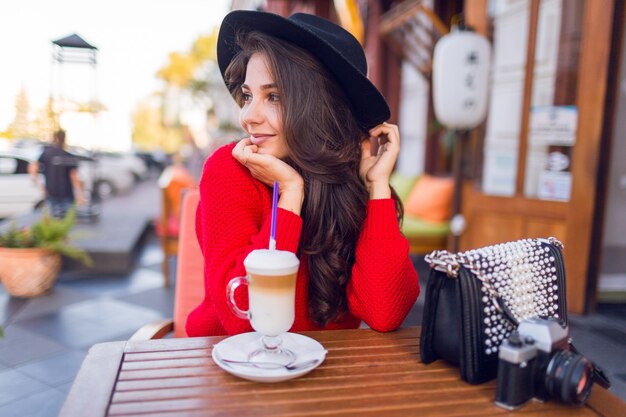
x=333, y=46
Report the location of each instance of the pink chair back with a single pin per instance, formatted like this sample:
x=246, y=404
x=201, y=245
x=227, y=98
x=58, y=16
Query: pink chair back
x=190, y=264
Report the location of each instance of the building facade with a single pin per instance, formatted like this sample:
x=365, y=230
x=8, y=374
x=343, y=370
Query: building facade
x=546, y=161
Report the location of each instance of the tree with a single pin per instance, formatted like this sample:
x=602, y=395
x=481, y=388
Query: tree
x=192, y=82
x=181, y=67
x=149, y=132
x=205, y=47
x=44, y=123
x=20, y=126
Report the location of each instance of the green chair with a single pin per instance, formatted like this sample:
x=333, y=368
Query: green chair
x=424, y=236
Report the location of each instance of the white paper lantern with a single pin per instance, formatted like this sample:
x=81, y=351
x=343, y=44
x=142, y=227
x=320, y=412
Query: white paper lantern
x=460, y=79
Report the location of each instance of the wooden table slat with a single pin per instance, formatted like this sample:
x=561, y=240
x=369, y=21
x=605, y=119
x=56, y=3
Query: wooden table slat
x=167, y=363
x=333, y=359
x=168, y=354
x=359, y=335
x=389, y=412
x=302, y=392
x=446, y=404
x=184, y=358
x=606, y=403
x=160, y=345
x=310, y=381
x=356, y=369
x=350, y=400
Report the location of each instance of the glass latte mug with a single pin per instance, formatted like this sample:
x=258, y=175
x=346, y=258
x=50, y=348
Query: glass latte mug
x=271, y=280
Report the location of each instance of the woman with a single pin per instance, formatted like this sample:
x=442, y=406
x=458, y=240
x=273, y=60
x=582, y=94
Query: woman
x=309, y=112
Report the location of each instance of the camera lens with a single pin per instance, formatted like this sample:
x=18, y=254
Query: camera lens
x=569, y=377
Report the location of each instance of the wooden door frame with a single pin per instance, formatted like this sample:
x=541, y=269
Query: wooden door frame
x=580, y=211
x=613, y=82
x=592, y=87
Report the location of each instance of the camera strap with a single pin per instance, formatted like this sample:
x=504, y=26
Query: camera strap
x=599, y=376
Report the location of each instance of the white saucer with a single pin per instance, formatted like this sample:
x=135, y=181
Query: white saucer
x=238, y=347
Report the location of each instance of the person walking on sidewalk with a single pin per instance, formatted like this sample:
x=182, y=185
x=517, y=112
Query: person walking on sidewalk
x=60, y=169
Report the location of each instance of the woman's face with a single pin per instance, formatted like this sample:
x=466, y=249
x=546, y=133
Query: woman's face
x=261, y=115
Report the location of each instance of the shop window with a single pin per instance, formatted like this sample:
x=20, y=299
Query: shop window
x=510, y=24
x=553, y=112
x=532, y=115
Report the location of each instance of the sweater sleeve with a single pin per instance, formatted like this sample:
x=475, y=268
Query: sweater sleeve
x=233, y=218
x=384, y=284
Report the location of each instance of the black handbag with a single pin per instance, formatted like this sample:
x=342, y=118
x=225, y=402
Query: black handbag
x=474, y=299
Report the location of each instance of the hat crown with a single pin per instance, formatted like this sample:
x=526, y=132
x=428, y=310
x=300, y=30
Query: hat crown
x=335, y=36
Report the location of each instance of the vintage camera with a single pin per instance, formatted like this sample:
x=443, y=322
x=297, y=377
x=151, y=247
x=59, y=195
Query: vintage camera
x=537, y=361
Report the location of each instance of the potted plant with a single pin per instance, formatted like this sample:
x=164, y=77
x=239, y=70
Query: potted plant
x=31, y=256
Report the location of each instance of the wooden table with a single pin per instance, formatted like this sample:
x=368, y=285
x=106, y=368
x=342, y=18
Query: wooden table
x=365, y=374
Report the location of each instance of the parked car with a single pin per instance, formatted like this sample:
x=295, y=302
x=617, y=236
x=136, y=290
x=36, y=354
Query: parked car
x=18, y=192
x=125, y=161
x=98, y=176
x=107, y=173
x=155, y=160
x=102, y=173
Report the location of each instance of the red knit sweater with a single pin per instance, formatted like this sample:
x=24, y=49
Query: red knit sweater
x=233, y=218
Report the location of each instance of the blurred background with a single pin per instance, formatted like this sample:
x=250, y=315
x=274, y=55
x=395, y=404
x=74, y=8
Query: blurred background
x=143, y=70
x=138, y=80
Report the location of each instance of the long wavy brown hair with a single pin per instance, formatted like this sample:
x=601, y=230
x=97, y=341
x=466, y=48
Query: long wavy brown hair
x=323, y=138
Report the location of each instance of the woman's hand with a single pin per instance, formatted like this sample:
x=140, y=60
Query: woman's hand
x=376, y=169
x=267, y=169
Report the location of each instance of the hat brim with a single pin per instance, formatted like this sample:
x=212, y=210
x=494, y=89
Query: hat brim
x=369, y=106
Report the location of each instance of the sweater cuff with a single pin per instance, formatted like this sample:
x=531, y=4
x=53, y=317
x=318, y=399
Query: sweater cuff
x=381, y=221
x=288, y=230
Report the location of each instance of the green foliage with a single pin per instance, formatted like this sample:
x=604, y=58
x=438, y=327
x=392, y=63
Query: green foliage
x=20, y=127
x=150, y=132
x=156, y=124
x=49, y=233
x=205, y=47
x=181, y=67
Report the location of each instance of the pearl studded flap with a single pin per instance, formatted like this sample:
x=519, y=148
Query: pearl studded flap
x=474, y=299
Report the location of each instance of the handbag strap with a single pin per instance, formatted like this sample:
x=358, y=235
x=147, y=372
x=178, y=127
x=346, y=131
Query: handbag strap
x=451, y=263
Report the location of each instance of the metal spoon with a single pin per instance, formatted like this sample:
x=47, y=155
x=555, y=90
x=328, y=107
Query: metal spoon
x=271, y=365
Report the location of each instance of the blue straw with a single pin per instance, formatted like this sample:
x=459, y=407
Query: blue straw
x=274, y=209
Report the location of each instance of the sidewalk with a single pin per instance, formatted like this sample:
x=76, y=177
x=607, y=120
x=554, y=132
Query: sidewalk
x=46, y=338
